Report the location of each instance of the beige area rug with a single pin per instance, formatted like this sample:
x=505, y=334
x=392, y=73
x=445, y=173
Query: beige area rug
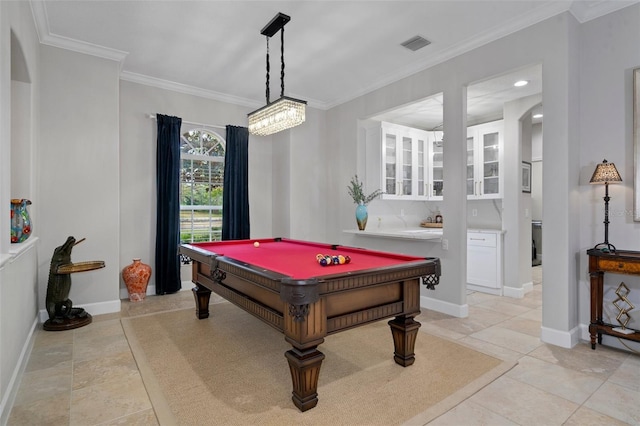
x=230, y=369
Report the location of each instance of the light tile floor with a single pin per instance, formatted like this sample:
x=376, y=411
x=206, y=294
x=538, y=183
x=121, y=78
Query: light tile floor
x=88, y=376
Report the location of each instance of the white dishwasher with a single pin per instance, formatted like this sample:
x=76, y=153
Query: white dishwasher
x=484, y=261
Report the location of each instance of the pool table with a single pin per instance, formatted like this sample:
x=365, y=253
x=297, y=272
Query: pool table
x=282, y=282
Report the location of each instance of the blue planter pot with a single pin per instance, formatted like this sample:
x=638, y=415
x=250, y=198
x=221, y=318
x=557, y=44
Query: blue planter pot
x=361, y=216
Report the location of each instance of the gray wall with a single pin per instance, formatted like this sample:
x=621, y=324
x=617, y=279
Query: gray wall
x=299, y=180
x=93, y=159
x=78, y=170
x=19, y=96
x=609, y=54
x=536, y=172
x=554, y=43
x=517, y=205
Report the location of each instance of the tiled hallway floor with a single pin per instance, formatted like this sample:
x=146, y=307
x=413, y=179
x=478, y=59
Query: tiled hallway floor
x=88, y=376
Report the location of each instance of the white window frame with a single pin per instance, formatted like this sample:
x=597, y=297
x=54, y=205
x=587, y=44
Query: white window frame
x=213, y=235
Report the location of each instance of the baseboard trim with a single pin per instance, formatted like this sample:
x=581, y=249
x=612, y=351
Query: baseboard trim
x=9, y=397
x=517, y=292
x=124, y=293
x=151, y=289
x=487, y=290
x=564, y=339
x=459, y=311
x=101, y=308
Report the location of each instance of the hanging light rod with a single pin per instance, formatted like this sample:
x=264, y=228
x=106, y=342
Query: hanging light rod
x=275, y=25
x=285, y=112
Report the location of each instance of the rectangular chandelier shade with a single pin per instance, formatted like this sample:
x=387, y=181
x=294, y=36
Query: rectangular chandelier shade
x=276, y=116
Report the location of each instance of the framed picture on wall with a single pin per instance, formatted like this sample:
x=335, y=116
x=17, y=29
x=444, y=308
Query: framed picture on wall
x=526, y=177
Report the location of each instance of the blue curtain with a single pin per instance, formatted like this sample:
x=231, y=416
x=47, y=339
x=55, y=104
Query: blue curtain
x=167, y=270
x=235, y=198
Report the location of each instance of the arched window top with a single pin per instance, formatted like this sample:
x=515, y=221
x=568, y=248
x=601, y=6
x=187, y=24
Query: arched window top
x=202, y=142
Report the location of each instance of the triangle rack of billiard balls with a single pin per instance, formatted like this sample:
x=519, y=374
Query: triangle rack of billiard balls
x=336, y=259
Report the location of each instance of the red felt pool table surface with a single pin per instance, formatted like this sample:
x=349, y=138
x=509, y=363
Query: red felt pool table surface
x=297, y=259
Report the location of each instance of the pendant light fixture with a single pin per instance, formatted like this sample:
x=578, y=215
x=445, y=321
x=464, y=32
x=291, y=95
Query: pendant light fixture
x=286, y=112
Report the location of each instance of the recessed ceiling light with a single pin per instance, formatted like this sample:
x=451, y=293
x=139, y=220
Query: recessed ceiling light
x=521, y=83
x=537, y=115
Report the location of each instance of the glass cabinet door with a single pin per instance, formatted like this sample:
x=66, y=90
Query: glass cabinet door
x=491, y=163
x=483, y=160
x=390, y=163
x=437, y=167
x=412, y=163
x=422, y=184
x=471, y=181
x=407, y=166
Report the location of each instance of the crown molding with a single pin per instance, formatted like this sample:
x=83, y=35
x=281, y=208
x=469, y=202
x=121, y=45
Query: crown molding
x=586, y=11
x=84, y=47
x=186, y=89
x=39, y=12
x=40, y=18
x=583, y=11
x=526, y=20
x=198, y=91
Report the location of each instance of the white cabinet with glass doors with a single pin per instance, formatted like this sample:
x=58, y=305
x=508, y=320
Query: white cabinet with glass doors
x=484, y=159
x=411, y=163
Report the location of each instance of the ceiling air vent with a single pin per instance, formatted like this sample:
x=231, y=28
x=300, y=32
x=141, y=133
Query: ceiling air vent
x=415, y=43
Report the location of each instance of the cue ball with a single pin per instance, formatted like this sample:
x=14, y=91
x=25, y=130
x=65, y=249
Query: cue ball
x=256, y=244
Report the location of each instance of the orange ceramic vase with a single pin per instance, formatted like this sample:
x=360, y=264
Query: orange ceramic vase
x=136, y=277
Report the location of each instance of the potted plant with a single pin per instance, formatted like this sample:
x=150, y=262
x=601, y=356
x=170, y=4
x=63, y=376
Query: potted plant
x=356, y=191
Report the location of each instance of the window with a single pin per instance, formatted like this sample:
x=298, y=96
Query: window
x=201, y=184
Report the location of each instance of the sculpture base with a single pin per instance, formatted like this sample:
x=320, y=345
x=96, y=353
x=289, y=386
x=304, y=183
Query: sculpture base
x=67, y=323
x=623, y=330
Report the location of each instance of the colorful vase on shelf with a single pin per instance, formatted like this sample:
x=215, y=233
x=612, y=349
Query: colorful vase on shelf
x=20, y=220
x=361, y=216
x=136, y=278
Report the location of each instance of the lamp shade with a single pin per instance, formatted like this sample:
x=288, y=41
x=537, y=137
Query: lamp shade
x=605, y=173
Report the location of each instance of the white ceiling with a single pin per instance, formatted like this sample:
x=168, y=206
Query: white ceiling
x=485, y=101
x=334, y=50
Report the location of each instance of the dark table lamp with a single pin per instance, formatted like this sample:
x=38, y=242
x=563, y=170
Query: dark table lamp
x=606, y=173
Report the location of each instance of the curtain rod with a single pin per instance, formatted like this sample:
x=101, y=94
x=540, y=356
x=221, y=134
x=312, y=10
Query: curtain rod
x=215, y=126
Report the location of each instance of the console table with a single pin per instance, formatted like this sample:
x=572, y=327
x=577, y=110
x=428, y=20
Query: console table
x=618, y=262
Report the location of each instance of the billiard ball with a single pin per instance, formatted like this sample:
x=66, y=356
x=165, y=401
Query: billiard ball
x=256, y=244
x=347, y=259
x=341, y=259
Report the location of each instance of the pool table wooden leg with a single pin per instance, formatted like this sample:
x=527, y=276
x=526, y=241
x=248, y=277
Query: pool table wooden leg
x=305, y=370
x=202, y=296
x=404, y=330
